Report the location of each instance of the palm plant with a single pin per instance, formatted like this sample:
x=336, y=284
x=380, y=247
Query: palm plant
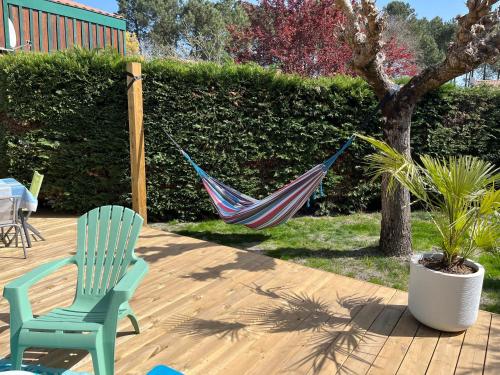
x=459, y=192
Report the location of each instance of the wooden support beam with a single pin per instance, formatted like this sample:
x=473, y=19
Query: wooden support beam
x=136, y=130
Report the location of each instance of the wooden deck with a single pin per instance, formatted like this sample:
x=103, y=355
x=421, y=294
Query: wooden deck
x=210, y=309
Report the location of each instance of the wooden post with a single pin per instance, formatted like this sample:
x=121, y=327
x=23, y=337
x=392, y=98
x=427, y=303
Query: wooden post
x=136, y=130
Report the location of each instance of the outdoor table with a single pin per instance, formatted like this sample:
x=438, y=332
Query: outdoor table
x=11, y=188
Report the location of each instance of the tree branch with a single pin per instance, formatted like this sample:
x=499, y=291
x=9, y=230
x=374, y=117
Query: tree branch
x=477, y=42
x=363, y=31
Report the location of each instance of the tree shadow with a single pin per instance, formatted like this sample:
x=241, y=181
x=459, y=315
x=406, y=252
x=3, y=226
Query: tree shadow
x=155, y=253
x=289, y=252
x=58, y=358
x=245, y=261
x=492, y=286
x=332, y=332
x=242, y=241
x=5, y=318
x=13, y=251
x=47, y=361
x=247, y=241
x=53, y=361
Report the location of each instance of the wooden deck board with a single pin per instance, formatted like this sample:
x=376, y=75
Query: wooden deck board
x=210, y=309
x=492, y=362
x=472, y=355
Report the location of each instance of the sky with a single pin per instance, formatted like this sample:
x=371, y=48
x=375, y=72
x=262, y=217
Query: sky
x=446, y=9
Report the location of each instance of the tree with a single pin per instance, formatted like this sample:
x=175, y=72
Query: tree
x=401, y=10
x=441, y=31
x=477, y=41
x=429, y=52
x=132, y=44
x=428, y=40
x=302, y=36
x=194, y=29
x=294, y=35
x=204, y=31
x=151, y=20
x=496, y=68
x=484, y=72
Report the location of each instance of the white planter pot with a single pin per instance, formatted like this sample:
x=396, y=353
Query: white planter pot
x=447, y=302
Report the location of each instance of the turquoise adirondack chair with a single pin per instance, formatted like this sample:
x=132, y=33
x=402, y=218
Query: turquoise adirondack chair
x=108, y=274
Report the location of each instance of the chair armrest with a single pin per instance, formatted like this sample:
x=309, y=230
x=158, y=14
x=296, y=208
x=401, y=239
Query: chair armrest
x=24, y=282
x=123, y=291
x=126, y=287
x=16, y=292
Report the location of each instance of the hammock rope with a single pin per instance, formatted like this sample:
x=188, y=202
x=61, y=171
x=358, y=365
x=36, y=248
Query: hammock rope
x=235, y=207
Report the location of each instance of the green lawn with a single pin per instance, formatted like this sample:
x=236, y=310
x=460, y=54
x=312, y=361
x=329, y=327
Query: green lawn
x=346, y=245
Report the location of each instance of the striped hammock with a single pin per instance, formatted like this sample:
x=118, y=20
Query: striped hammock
x=237, y=208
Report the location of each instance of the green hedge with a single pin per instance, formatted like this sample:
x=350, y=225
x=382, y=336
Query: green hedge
x=66, y=115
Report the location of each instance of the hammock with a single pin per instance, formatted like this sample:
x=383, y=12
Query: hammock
x=237, y=208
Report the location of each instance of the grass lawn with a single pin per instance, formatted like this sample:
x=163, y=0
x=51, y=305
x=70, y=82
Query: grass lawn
x=346, y=245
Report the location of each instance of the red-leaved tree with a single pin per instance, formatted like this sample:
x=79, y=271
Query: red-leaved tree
x=400, y=61
x=304, y=37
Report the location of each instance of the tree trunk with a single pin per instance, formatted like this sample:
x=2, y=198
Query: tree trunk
x=395, y=234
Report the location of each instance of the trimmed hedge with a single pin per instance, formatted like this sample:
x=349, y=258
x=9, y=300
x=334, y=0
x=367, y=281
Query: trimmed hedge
x=65, y=114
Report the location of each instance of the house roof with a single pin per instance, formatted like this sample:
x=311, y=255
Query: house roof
x=74, y=4
x=489, y=82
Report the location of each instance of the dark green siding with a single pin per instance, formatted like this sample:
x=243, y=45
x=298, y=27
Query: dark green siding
x=49, y=36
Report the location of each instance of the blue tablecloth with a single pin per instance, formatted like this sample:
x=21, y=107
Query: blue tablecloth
x=11, y=188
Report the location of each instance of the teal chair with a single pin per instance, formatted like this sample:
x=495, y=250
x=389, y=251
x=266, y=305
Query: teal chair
x=108, y=274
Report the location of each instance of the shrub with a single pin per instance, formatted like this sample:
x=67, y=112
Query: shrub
x=459, y=192
x=65, y=114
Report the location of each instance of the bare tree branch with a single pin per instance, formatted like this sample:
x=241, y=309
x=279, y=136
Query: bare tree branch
x=477, y=41
x=363, y=30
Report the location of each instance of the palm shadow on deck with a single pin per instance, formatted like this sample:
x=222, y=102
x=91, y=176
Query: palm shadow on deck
x=329, y=335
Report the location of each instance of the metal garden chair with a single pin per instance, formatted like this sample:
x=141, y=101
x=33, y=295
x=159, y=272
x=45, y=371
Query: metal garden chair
x=36, y=184
x=108, y=274
x=9, y=220
x=24, y=215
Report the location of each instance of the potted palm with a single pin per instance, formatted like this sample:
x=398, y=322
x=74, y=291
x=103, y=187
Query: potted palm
x=461, y=194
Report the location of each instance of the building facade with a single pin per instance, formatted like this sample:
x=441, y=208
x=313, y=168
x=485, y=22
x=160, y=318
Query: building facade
x=55, y=25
